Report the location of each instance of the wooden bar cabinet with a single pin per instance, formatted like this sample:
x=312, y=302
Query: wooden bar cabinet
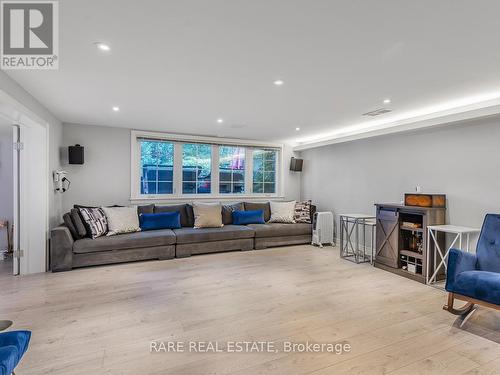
x=401, y=238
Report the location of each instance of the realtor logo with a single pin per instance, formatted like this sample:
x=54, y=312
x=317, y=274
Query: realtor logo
x=29, y=35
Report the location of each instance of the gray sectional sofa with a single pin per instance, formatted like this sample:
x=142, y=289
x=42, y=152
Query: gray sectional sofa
x=68, y=251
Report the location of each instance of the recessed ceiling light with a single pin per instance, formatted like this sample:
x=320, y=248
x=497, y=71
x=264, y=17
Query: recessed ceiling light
x=387, y=101
x=102, y=46
x=220, y=120
x=116, y=109
x=278, y=82
x=297, y=129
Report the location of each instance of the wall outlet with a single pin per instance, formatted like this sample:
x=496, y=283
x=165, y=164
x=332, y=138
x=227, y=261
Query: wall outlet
x=418, y=189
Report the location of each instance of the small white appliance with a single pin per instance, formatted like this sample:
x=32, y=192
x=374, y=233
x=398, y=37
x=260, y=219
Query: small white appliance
x=322, y=229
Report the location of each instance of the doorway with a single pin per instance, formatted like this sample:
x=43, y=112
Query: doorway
x=24, y=191
x=6, y=199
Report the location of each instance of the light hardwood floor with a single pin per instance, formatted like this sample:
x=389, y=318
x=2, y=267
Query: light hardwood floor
x=101, y=320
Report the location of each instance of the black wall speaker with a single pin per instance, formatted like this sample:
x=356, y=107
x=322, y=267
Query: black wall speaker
x=76, y=154
x=296, y=164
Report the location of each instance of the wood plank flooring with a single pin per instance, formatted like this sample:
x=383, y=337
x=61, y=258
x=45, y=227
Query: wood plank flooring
x=102, y=320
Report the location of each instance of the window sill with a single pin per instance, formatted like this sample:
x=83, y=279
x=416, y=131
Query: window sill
x=228, y=198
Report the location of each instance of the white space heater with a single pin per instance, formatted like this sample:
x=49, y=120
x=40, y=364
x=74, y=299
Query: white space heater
x=322, y=228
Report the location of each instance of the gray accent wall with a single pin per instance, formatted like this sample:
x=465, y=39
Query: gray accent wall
x=459, y=160
x=104, y=179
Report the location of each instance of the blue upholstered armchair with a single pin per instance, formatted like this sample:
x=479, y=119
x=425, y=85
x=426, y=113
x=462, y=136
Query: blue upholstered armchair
x=475, y=278
x=13, y=345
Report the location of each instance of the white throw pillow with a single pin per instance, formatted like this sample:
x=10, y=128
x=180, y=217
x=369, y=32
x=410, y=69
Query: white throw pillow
x=207, y=215
x=282, y=212
x=121, y=220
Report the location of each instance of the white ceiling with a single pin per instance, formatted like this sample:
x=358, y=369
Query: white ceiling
x=177, y=66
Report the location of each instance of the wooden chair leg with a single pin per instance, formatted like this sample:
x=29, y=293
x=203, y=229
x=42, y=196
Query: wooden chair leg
x=460, y=311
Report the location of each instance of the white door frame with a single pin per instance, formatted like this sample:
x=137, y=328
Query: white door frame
x=32, y=216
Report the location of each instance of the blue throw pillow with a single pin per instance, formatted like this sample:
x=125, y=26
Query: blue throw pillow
x=162, y=220
x=248, y=217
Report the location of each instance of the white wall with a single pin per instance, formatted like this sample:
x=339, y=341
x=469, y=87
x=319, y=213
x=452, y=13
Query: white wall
x=105, y=177
x=28, y=102
x=461, y=161
x=6, y=180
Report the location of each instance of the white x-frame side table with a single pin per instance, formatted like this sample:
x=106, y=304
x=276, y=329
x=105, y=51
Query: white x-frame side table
x=459, y=233
x=350, y=225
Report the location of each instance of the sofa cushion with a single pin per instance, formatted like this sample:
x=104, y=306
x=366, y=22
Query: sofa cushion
x=146, y=209
x=303, y=212
x=161, y=220
x=227, y=212
x=71, y=226
x=252, y=206
x=95, y=221
x=482, y=285
x=186, y=211
x=121, y=220
x=248, y=217
x=134, y=240
x=78, y=222
x=280, y=229
x=282, y=212
x=227, y=232
x=207, y=215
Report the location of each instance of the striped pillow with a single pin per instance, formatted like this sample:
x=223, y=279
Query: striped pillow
x=94, y=220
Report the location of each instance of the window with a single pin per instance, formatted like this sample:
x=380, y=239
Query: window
x=196, y=168
x=157, y=166
x=264, y=171
x=231, y=170
x=169, y=166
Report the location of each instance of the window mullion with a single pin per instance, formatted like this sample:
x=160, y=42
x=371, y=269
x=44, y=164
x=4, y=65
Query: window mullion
x=248, y=170
x=177, y=169
x=215, y=170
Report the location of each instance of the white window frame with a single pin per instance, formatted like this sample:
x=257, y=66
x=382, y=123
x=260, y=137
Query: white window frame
x=178, y=140
x=180, y=161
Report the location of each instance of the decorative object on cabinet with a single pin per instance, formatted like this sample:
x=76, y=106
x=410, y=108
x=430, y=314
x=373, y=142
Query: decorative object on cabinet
x=425, y=200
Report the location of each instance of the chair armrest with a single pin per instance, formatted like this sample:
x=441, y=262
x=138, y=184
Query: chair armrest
x=458, y=261
x=61, y=249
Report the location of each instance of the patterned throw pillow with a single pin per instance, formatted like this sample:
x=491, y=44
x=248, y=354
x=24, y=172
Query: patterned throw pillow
x=303, y=212
x=121, y=220
x=95, y=221
x=282, y=212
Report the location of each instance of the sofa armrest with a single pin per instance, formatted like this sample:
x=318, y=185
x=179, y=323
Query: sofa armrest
x=61, y=249
x=458, y=261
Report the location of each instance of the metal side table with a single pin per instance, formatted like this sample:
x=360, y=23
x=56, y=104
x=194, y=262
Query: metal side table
x=355, y=225
x=459, y=232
